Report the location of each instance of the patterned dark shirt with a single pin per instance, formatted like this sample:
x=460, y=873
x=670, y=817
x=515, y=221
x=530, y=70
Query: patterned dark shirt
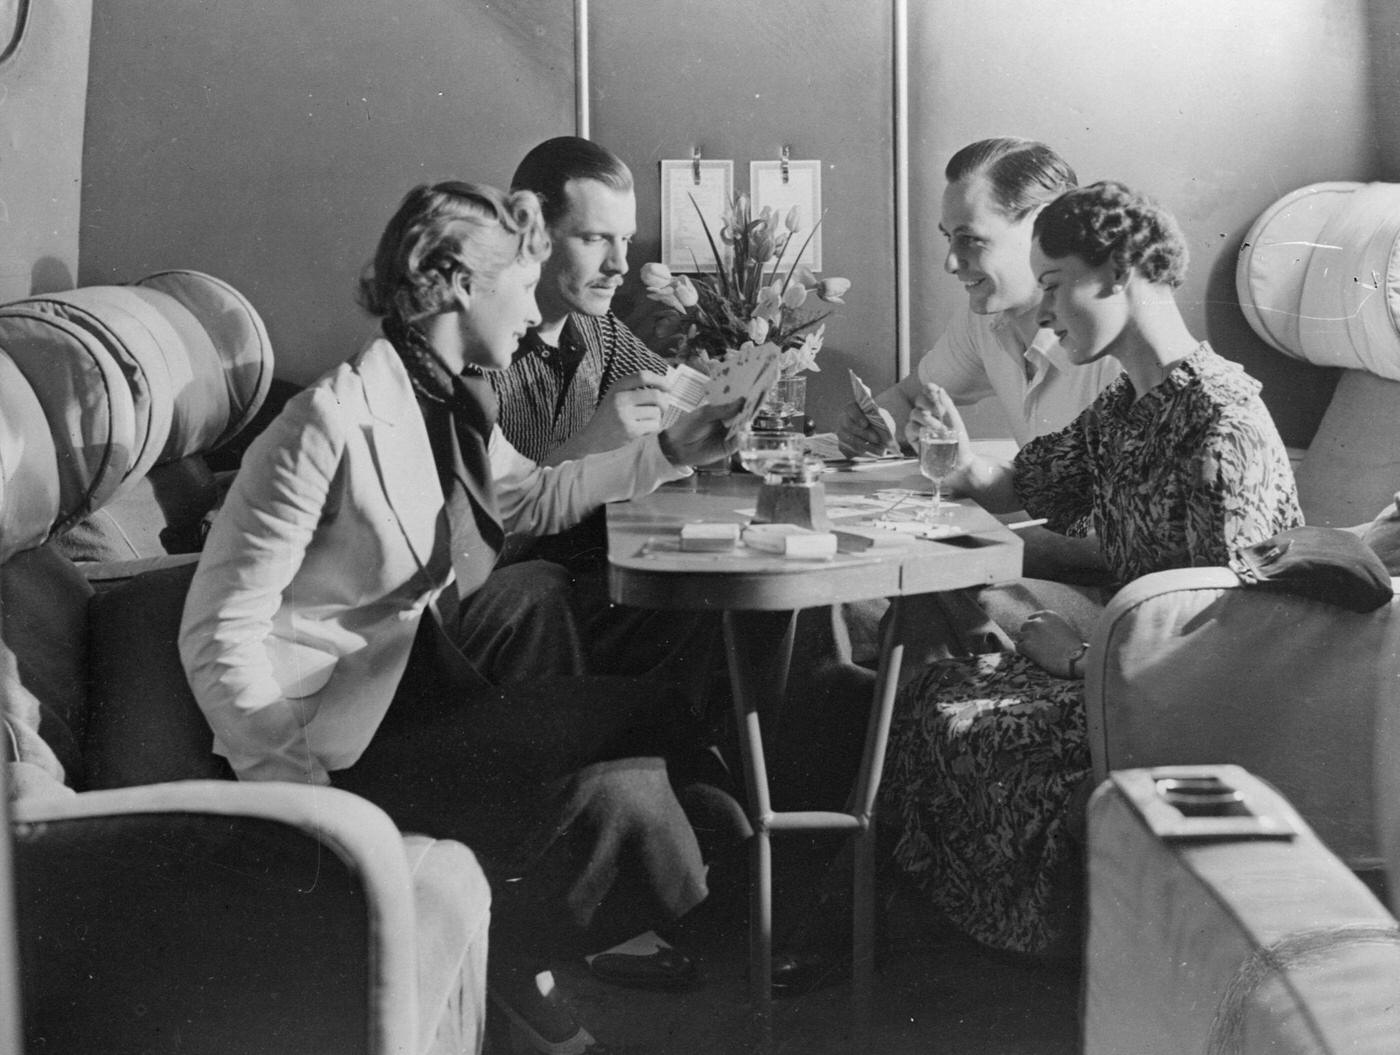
x=548, y=394
x=1175, y=479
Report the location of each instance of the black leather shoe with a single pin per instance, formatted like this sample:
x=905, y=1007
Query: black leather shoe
x=661, y=966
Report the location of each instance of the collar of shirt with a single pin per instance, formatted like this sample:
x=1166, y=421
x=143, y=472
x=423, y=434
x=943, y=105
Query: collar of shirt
x=1043, y=352
x=563, y=359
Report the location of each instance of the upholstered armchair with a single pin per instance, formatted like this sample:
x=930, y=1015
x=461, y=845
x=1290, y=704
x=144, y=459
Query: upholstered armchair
x=161, y=906
x=1190, y=667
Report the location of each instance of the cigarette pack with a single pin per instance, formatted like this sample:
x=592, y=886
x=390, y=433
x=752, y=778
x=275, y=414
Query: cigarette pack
x=791, y=540
x=708, y=537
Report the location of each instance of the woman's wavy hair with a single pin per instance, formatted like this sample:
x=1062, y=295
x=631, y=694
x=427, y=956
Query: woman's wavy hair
x=1110, y=222
x=1022, y=173
x=441, y=229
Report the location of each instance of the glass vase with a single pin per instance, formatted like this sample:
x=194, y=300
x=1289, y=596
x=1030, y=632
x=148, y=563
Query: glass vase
x=785, y=400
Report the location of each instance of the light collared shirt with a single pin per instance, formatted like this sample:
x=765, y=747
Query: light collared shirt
x=1038, y=386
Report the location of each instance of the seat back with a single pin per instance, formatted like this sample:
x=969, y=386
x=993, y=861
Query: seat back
x=177, y=364
x=1318, y=278
x=87, y=406
x=109, y=395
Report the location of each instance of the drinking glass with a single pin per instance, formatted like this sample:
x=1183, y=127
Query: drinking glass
x=787, y=398
x=761, y=448
x=938, y=456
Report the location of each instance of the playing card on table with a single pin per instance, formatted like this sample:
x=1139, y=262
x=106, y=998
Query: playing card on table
x=746, y=374
x=880, y=419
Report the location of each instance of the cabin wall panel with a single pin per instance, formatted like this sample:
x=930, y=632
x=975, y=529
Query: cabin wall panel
x=741, y=81
x=1384, y=31
x=268, y=142
x=43, y=85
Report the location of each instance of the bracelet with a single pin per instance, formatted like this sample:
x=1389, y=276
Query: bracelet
x=1075, y=657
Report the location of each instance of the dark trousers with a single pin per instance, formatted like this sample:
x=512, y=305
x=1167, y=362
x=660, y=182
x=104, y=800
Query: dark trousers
x=686, y=648
x=558, y=781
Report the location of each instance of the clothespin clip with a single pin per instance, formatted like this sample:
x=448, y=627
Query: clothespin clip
x=787, y=156
x=695, y=164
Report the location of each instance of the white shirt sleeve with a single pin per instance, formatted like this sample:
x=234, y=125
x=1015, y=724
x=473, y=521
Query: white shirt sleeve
x=545, y=499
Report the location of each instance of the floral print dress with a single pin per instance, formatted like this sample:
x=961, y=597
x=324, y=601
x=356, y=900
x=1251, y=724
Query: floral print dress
x=986, y=754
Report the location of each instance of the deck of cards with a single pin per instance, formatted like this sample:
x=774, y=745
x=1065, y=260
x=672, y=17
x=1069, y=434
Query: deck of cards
x=745, y=374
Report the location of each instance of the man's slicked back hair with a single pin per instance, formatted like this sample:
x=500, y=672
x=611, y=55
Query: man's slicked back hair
x=1022, y=173
x=548, y=168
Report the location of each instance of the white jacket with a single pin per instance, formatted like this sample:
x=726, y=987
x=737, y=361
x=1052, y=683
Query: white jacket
x=328, y=550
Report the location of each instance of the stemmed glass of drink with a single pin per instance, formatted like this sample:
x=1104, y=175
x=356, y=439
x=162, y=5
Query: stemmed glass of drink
x=938, y=456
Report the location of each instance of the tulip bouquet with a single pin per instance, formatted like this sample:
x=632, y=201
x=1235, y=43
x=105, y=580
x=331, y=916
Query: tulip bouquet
x=751, y=298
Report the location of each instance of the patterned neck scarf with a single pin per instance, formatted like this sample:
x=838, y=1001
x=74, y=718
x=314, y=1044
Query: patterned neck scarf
x=459, y=412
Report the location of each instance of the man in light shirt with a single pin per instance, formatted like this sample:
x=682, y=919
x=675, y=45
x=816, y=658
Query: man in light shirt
x=995, y=346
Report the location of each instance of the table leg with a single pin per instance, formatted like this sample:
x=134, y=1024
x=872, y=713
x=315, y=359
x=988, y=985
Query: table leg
x=862, y=806
x=759, y=648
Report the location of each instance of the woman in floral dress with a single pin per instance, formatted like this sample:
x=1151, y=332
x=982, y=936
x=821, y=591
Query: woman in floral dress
x=1175, y=464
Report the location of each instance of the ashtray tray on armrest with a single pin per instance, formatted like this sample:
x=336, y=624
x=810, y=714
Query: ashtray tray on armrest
x=1204, y=802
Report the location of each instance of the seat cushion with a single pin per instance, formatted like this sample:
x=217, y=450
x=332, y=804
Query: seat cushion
x=161, y=513
x=1352, y=467
x=1349, y=310
x=1275, y=256
x=31, y=498
x=124, y=336
x=236, y=334
x=87, y=404
x=144, y=725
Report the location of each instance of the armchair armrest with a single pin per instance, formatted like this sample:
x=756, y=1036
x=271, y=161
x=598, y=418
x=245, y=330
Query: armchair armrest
x=214, y=916
x=1190, y=667
x=1228, y=944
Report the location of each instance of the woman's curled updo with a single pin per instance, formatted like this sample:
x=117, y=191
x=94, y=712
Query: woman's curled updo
x=1109, y=222
x=445, y=228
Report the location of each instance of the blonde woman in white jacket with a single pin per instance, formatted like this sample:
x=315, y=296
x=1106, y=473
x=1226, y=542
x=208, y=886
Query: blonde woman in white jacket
x=336, y=633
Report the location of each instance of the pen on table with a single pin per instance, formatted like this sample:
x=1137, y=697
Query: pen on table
x=1021, y=525
x=894, y=506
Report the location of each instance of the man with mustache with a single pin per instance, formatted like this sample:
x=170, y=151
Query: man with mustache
x=581, y=381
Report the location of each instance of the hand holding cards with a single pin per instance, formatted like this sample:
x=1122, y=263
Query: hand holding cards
x=745, y=374
x=877, y=417
x=686, y=389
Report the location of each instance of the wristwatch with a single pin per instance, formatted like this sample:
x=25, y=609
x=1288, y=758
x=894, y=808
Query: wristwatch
x=1075, y=657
